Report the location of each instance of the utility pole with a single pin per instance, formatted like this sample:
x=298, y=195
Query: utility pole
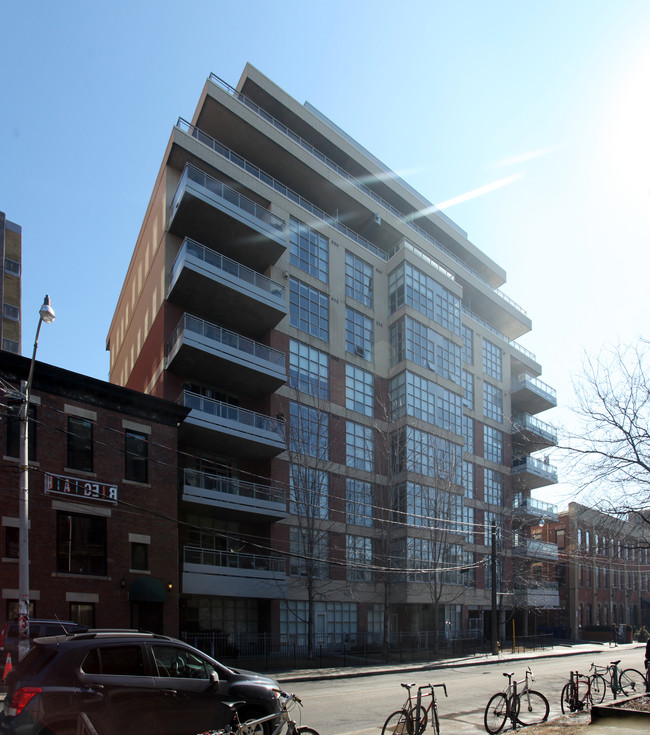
x=493, y=616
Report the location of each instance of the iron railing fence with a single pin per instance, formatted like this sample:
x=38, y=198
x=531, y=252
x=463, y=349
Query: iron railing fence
x=261, y=652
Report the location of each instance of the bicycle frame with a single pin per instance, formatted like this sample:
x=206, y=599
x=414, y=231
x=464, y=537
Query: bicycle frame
x=613, y=672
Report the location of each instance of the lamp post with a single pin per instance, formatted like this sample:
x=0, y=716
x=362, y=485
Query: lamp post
x=46, y=314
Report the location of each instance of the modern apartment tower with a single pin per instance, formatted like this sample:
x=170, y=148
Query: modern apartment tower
x=11, y=285
x=361, y=414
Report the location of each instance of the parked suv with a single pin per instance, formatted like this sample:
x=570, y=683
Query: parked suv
x=127, y=683
x=38, y=628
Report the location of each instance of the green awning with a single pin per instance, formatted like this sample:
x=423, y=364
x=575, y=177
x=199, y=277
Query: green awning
x=147, y=589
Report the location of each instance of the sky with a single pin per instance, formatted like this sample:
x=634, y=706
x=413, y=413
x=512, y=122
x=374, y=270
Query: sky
x=526, y=122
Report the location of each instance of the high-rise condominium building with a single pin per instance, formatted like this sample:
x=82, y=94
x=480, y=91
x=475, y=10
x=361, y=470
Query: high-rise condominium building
x=10, y=283
x=361, y=415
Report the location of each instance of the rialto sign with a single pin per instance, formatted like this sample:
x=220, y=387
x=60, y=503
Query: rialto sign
x=61, y=485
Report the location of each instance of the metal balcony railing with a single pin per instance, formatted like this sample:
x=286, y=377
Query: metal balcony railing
x=232, y=486
x=234, y=560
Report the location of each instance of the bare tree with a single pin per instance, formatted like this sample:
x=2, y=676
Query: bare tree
x=611, y=446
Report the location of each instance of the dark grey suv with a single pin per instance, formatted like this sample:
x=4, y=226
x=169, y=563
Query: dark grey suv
x=127, y=684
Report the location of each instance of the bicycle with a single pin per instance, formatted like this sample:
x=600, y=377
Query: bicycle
x=572, y=698
x=508, y=705
x=626, y=682
x=259, y=726
x=412, y=719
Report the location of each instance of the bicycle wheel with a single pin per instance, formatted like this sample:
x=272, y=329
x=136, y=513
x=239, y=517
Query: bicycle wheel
x=496, y=713
x=533, y=708
x=568, y=698
x=631, y=682
x=598, y=688
x=398, y=723
x=417, y=720
x=307, y=731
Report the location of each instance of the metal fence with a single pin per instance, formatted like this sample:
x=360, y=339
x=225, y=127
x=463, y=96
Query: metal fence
x=281, y=653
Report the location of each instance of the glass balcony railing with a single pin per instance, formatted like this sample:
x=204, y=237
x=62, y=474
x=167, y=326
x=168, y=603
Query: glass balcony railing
x=225, y=337
x=232, y=560
x=524, y=380
x=535, y=466
x=526, y=422
x=535, y=549
x=226, y=265
x=228, y=412
x=232, y=197
x=232, y=486
x=523, y=505
x=407, y=219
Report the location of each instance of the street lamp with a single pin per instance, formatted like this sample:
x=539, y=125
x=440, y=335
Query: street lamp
x=46, y=314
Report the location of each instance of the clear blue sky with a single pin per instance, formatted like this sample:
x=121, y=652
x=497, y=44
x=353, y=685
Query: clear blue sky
x=539, y=110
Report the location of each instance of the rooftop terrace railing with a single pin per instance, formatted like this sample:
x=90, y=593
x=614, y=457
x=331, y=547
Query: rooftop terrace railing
x=407, y=219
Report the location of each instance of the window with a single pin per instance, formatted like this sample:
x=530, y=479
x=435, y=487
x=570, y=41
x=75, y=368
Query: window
x=358, y=279
x=414, y=450
x=492, y=360
x=468, y=345
x=115, y=660
x=340, y=618
x=408, y=286
x=493, y=487
x=308, y=431
x=358, y=558
x=80, y=544
x=309, y=553
x=493, y=444
x=560, y=538
x=83, y=613
x=309, y=250
x=492, y=402
x=11, y=542
x=359, y=337
x=359, y=502
x=413, y=395
x=12, y=267
x=10, y=345
x=468, y=390
x=412, y=340
x=13, y=432
x=468, y=478
x=308, y=492
x=468, y=433
x=80, y=444
x=9, y=311
x=359, y=450
x=308, y=369
x=136, y=453
x=139, y=556
x=308, y=309
x=179, y=663
x=359, y=390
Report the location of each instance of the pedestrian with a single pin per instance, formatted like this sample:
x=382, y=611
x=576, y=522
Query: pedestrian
x=615, y=636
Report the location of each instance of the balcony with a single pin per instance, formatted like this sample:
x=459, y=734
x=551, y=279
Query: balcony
x=529, y=430
x=201, y=350
x=531, y=395
x=231, y=574
x=531, y=509
x=234, y=498
x=232, y=429
x=239, y=297
x=534, y=473
x=529, y=548
x=543, y=595
x=208, y=210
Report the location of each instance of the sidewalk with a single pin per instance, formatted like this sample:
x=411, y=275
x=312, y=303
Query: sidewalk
x=564, y=648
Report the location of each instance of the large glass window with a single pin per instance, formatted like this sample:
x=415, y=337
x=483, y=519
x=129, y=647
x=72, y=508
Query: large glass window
x=359, y=448
x=341, y=619
x=468, y=390
x=468, y=478
x=414, y=450
x=408, y=286
x=468, y=345
x=414, y=341
x=309, y=553
x=80, y=444
x=493, y=444
x=492, y=360
x=358, y=502
x=358, y=558
x=430, y=507
x=413, y=395
x=309, y=249
x=359, y=335
x=493, y=484
x=308, y=431
x=308, y=492
x=80, y=544
x=308, y=369
x=136, y=454
x=358, y=279
x=468, y=433
x=359, y=390
x=308, y=309
x=492, y=402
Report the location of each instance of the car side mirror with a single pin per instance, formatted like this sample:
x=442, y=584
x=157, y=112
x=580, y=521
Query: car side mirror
x=214, y=680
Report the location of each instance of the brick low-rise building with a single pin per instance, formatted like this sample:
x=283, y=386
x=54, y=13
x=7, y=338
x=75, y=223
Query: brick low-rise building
x=102, y=500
